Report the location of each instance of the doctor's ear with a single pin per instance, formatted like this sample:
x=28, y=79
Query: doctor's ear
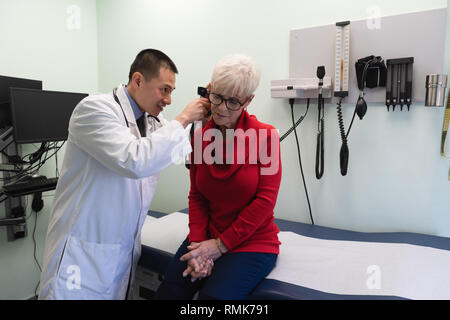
x=137, y=79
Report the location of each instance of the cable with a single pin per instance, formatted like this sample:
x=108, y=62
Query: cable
x=35, y=166
x=35, y=161
x=284, y=136
x=291, y=102
x=360, y=109
x=351, y=123
x=56, y=164
x=36, y=206
x=34, y=241
x=34, y=252
x=344, y=153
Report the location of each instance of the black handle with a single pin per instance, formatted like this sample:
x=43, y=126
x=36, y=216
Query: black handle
x=344, y=155
x=320, y=152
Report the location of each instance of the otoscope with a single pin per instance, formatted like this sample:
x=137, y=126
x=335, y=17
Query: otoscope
x=320, y=134
x=202, y=92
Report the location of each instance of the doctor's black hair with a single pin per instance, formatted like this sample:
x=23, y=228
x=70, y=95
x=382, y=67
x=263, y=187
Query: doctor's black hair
x=148, y=62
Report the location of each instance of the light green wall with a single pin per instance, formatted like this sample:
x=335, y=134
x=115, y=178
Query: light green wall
x=404, y=195
x=36, y=43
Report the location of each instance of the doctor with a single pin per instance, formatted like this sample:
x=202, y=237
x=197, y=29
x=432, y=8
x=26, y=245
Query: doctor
x=118, y=144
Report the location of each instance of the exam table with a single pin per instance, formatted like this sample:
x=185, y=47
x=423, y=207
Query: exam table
x=324, y=263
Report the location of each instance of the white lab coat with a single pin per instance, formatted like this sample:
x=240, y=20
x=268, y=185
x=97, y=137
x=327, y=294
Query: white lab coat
x=107, y=182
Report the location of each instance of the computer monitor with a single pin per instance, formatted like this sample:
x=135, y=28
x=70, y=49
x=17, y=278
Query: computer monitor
x=5, y=84
x=40, y=115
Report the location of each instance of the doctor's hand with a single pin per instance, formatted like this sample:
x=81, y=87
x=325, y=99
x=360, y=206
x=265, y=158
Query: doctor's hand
x=196, y=110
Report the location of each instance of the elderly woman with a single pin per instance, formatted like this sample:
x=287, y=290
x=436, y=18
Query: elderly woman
x=232, y=243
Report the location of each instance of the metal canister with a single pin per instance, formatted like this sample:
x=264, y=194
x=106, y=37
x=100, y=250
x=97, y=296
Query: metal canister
x=435, y=90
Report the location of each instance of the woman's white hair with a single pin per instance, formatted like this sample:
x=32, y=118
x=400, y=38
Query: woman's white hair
x=235, y=76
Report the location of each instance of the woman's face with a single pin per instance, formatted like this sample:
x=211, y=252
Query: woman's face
x=222, y=115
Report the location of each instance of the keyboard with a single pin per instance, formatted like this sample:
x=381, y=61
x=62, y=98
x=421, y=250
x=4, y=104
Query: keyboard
x=30, y=185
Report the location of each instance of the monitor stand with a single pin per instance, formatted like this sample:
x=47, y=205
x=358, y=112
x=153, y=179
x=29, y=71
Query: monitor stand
x=14, y=206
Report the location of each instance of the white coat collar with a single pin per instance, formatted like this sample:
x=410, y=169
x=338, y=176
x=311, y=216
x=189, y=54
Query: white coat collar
x=127, y=109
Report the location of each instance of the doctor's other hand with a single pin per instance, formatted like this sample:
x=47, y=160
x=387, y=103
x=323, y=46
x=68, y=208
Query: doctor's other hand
x=196, y=110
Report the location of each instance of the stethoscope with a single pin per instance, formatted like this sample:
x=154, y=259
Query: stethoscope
x=120, y=105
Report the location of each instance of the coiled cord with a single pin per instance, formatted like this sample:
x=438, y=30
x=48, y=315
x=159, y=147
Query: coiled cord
x=341, y=122
x=284, y=136
x=344, y=153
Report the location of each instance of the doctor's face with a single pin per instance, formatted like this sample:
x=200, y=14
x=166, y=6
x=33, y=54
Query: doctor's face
x=154, y=95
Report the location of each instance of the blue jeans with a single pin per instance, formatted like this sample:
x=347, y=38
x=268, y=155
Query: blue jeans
x=233, y=277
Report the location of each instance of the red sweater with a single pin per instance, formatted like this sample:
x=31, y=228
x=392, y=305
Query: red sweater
x=235, y=201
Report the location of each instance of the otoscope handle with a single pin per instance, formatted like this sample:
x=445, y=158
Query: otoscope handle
x=344, y=155
x=202, y=92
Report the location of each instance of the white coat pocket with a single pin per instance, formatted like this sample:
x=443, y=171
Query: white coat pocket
x=87, y=269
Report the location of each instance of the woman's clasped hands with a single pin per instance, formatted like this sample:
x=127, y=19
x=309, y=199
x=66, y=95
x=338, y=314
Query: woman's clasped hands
x=200, y=259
